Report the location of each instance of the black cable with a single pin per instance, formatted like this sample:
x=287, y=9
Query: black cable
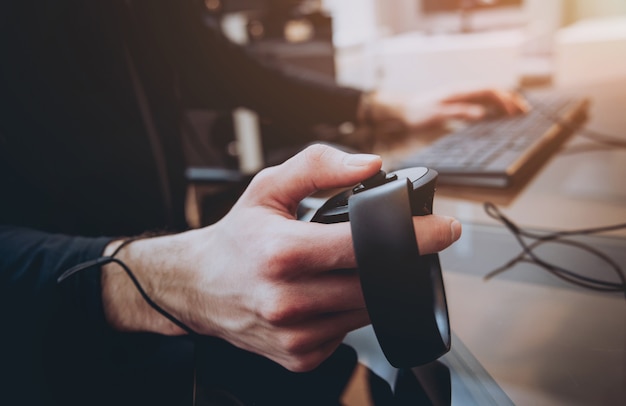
x=559, y=237
x=151, y=302
x=109, y=259
x=562, y=273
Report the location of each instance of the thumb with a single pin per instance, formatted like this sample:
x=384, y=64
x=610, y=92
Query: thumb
x=318, y=167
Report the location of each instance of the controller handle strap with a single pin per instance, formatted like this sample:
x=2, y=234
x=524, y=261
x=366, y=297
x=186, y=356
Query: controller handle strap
x=403, y=290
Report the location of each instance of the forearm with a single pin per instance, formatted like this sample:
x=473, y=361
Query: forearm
x=217, y=73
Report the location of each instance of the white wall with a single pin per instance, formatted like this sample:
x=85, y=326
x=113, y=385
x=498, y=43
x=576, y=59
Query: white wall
x=354, y=21
x=591, y=50
x=371, y=32
x=583, y=9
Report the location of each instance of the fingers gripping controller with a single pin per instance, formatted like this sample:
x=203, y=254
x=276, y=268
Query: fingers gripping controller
x=403, y=290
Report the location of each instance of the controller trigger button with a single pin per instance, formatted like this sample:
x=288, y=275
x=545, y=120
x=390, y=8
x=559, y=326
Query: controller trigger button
x=391, y=177
x=375, y=180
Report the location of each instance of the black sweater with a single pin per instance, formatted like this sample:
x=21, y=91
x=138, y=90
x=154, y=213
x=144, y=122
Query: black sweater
x=79, y=165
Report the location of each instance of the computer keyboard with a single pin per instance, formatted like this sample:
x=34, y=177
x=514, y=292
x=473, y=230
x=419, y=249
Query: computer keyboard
x=498, y=152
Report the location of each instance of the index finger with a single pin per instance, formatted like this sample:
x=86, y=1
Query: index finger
x=316, y=247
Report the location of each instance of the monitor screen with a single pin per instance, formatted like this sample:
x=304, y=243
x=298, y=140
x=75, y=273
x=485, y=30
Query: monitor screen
x=435, y=6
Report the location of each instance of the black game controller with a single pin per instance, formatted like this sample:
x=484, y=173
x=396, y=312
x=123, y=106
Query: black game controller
x=403, y=290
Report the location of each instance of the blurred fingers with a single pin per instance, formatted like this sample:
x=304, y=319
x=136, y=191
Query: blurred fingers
x=507, y=102
x=462, y=111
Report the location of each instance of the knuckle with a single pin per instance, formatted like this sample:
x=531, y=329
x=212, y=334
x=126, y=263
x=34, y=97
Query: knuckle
x=283, y=255
x=279, y=307
x=274, y=311
x=294, y=343
x=303, y=363
x=279, y=257
x=316, y=153
x=309, y=354
x=264, y=178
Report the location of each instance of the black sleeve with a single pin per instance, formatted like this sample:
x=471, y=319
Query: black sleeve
x=56, y=346
x=34, y=309
x=218, y=73
x=30, y=263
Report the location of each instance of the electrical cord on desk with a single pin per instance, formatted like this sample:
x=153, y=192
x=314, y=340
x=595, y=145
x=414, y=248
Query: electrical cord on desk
x=528, y=255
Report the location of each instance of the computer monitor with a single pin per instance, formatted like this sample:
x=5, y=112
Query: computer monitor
x=470, y=15
x=434, y=6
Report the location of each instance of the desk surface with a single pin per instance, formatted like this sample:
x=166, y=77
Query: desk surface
x=542, y=341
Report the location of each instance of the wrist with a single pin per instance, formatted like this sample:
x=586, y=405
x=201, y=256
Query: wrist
x=124, y=307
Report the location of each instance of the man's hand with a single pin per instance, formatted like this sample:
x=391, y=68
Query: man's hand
x=424, y=111
x=259, y=278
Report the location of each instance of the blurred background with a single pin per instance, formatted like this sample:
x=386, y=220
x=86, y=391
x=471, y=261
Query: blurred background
x=426, y=46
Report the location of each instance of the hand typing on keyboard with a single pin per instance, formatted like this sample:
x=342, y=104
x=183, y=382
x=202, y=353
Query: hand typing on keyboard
x=503, y=149
x=410, y=111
